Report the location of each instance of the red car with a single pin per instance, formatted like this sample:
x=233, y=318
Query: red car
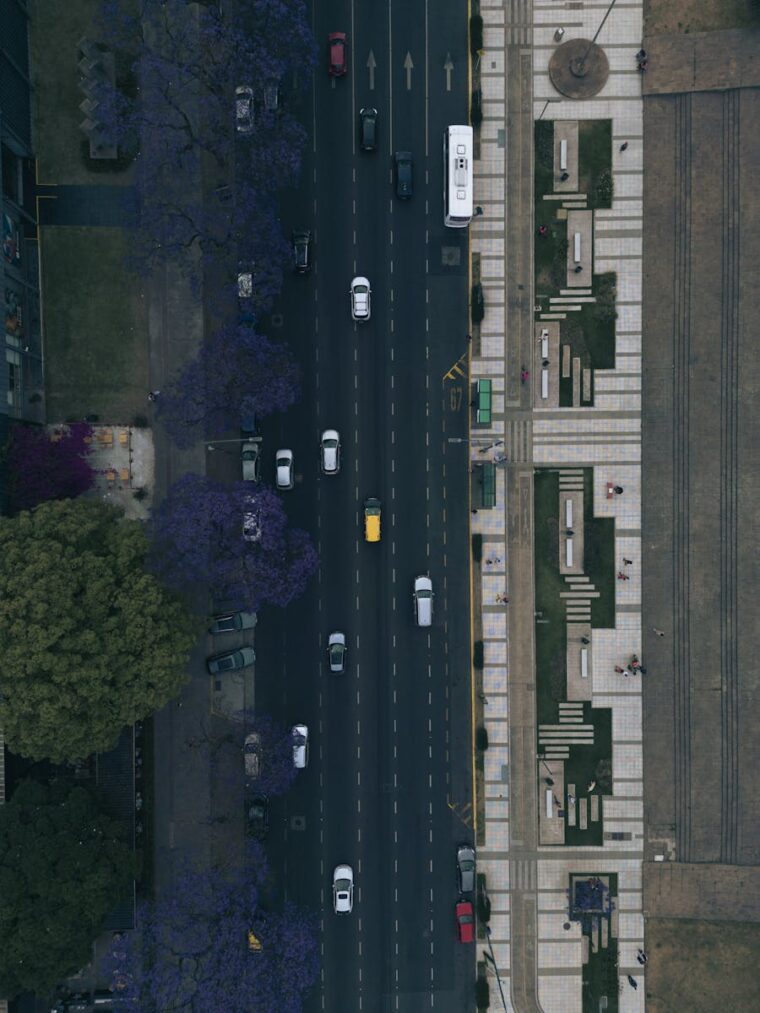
x=338, y=51
x=465, y=922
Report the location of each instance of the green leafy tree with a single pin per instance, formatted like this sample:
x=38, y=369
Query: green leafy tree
x=89, y=641
x=62, y=869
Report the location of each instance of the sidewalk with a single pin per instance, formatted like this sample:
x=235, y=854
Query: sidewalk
x=539, y=952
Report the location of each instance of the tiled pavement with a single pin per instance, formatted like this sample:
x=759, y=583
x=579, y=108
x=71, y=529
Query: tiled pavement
x=606, y=438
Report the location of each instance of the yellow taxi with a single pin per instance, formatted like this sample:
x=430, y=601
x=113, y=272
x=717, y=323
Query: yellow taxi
x=372, y=512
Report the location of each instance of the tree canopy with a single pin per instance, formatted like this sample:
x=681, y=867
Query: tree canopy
x=198, y=534
x=40, y=468
x=89, y=641
x=209, y=946
x=236, y=373
x=63, y=867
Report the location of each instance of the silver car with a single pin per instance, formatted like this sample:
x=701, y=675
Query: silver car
x=336, y=651
x=329, y=449
x=250, y=455
x=466, y=868
x=252, y=755
x=300, y=735
x=244, y=109
x=423, y=600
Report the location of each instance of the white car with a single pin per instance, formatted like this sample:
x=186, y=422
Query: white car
x=336, y=651
x=283, y=469
x=423, y=600
x=300, y=735
x=360, y=299
x=329, y=447
x=343, y=889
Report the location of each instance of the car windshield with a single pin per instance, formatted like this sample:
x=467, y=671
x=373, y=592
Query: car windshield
x=342, y=885
x=467, y=865
x=331, y=444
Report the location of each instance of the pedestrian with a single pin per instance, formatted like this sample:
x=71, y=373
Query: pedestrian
x=478, y=210
x=565, y=177
x=642, y=957
x=632, y=982
x=543, y=230
x=153, y=394
x=642, y=670
x=488, y=562
x=641, y=55
x=544, y=362
x=578, y=268
x=643, y=66
x=627, y=562
x=624, y=145
x=660, y=633
x=498, y=559
x=570, y=799
x=469, y=337
x=619, y=670
x=619, y=490
x=474, y=510
x=473, y=403
x=585, y=640
x=623, y=576
x=629, y=666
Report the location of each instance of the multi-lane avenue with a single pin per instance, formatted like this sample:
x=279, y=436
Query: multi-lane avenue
x=388, y=786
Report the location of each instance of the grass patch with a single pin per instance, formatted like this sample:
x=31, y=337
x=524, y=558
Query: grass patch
x=55, y=30
x=586, y=764
x=701, y=966
x=599, y=557
x=551, y=622
x=595, y=162
x=95, y=328
x=600, y=974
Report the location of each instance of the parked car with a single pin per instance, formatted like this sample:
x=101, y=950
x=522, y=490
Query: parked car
x=232, y=622
x=423, y=600
x=465, y=922
x=372, y=518
x=300, y=735
x=301, y=239
x=466, y=868
x=336, y=651
x=245, y=281
x=368, y=128
x=337, y=46
x=252, y=755
x=360, y=299
x=252, y=522
x=404, y=175
x=329, y=448
x=244, y=109
x=343, y=889
x=231, y=661
x=257, y=817
x=250, y=456
x=283, y=469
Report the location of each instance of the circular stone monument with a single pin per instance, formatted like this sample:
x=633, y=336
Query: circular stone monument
x=579, y=68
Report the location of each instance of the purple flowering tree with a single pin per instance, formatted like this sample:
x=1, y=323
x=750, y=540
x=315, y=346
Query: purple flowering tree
x=208, y=945
x=233, y=538
x=41, y=468
x=236, y=373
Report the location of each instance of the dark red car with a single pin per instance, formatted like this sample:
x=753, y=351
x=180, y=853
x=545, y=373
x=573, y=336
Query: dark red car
x=465, y=922
x=338, y=54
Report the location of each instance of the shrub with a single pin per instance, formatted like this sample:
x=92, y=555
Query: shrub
x=476, y=108
x=483, y=900
x=476, y=34
x=604, y=189
x=477, y=655
x=478, y=307
x=481, y=738
x=482, y=993
x=477, y=547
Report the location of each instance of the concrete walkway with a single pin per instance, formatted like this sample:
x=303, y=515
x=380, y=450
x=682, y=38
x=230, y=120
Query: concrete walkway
x=539, y=953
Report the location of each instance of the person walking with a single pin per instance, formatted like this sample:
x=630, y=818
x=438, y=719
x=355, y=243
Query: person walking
x=660, y=633
x=632, y=982
x=153, y=395
x=619, y=670
x=623, y=576
x=627, y=562
x=624, y=146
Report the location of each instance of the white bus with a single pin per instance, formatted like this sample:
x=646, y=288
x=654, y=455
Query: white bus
x=457, y=177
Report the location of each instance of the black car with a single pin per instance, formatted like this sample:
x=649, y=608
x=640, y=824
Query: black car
x=302, y=251
x=257, y=817
x=368, y=134
x=404, y=181
x=249, y=426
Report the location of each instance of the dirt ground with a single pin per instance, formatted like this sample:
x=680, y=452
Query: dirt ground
x=702, y=967
x=663, y=17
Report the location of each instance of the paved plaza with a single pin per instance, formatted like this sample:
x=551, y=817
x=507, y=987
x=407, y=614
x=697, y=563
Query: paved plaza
x=539, y=951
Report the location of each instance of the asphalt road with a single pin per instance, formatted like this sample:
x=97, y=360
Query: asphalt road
x=388, y=786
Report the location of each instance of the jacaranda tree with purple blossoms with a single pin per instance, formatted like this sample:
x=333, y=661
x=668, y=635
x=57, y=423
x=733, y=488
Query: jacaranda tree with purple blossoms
x=236, y=373
x=197, y=536
x=41, y=468
x=208, y=945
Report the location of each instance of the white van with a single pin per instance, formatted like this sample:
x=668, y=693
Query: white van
x=423, y=600
x=300, y=735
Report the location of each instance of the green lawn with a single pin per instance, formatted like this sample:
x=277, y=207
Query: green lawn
x=595, y=162
x=55, y=29
x=95, y=328
x=551, y=618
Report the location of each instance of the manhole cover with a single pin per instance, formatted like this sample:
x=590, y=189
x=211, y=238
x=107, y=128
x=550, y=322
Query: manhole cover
x=276, y=320
x=298, y=823
x=451, y=256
